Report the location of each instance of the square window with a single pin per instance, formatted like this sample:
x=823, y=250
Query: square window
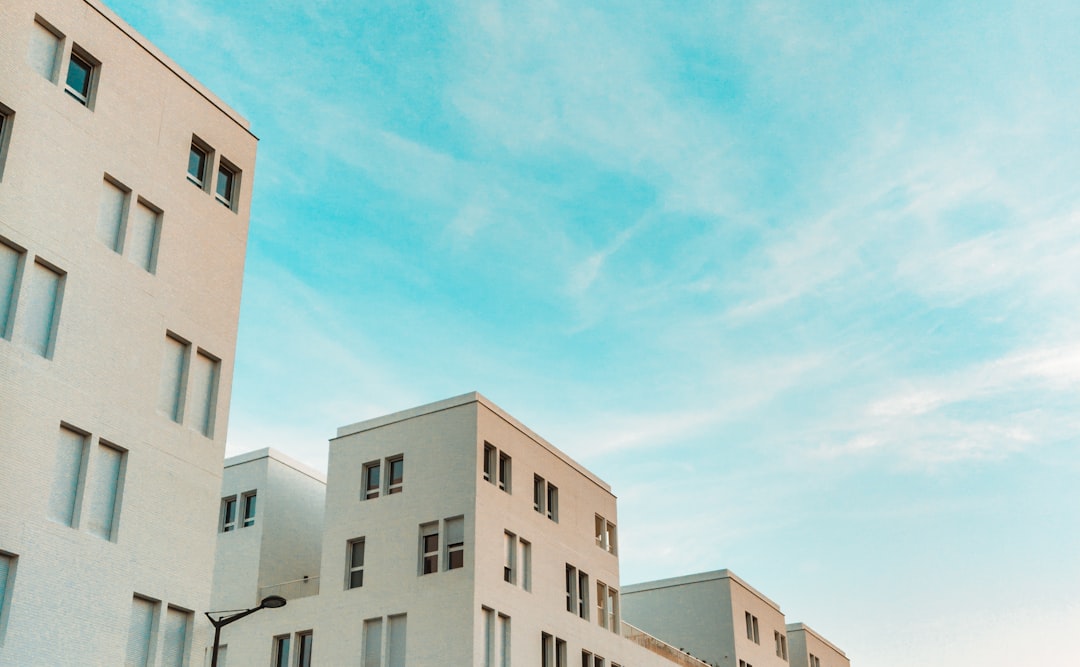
x=226, y=184
x=80, y=76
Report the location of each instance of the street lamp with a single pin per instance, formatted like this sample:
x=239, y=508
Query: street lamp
x=268, y=602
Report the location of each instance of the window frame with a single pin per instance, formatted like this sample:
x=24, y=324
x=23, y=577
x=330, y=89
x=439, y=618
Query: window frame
x=351, y=568
x=7, y=121
x=454, y=549
x=201, y=147
x=225, y=524
x=553, y=502
x=372, y=488
x=490, y=463
x=393, y=487
x=249, y=508
x=539, y=494
x=281, y=650
x=429, y=551
x=305, y=643
x=86, y=95
x=232, y=174
x=505, y=472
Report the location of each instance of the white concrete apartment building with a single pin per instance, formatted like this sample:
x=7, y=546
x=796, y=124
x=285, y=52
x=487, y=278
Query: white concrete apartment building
x=452, y=535
x=723, y=620
x=124, y=192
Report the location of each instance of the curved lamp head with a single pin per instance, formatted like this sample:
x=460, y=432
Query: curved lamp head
x=272, y=602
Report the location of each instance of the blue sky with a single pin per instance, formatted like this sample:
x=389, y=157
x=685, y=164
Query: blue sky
x=800, y=280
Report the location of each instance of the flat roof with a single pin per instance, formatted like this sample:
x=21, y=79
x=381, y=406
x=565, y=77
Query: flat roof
x=795, y=627
x=459, y=401
x=280, y=457
x=700, y=577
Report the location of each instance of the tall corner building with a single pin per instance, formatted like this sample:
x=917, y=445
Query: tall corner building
x=124, y=195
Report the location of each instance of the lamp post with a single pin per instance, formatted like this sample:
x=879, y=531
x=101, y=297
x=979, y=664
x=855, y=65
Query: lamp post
x=269, y=602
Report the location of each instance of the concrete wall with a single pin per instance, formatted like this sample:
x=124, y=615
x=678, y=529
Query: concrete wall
x=804, y=642
x=103, y=372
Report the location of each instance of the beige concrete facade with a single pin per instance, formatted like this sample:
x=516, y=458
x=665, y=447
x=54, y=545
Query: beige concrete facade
x=480, y=483
x=119, y=296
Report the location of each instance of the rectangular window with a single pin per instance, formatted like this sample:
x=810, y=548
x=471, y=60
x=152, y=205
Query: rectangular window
x=249, y=508
x=814, y=661
x=586, y=659
x=395, y=650
x=599, y=662
x=44, y=48
x=204, y=382
x=560, y=652
x=40, y=303
x=571, y=588
x=757, y=638
x=105, y=491
x=510, y=550
x=504, y=640
x=198, y=161
x=227, y=181
x=175, y=639
x=547, y=650
x=11, y=260
x=373, y=642
x=749, y=626
x=304, y=646
x=7, y=119
x=355, y=576
x=613, y=610
x=396, y=470
x=612, y=541
x=142, y=242
x=601, y=604
x=526, y=564
x=552, y=502
x=455, y=543
x=7, y=584
x=371, y=480
x=583, y=595
x=228, y=514
x=110, y=225
x=504, y=472
x=82, y=70
x=489, y=636
x=429, y=548
x=173, y=388
x=281, y=651
x=538, y=493
x=605, y=534
x=140, y=632
x=490, y=457
x=68, y=476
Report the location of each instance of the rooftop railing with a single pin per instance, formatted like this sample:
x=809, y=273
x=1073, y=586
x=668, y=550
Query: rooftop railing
x=290, y=590
x=663, y=649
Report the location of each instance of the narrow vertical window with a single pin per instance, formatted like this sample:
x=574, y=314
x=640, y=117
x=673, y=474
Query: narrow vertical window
x=613, y=610
x=571, y=588
x=228, y=514
x=173, y=386
x=68, y=474
x=7, y=583
x=429, y=548
x=547, y=650
x=356, y=563
x=757, y=638
x=490, y=456
x=80, y=76
x=10, y=260
x=583, y=595
x=526, y=564
x=504, y=472
x=538, y=493
x=612, y=545
x=44, y=48
x=749, y=626
x=40, y=308
x=600, y=533
x=142, y=242
x=601, y=604
x=489, y=636
x=373, y=642
x=560, y=652
x=227, y=180
x=371, y=480
x=553, y=502
x=396, y=474
x=198, y=160
x=249, y=509
x=281, y=651
x=175, y=638
x=304, y=642
x=7, y=118
x=140, y=632
x=396, y=630
x=504, y=640
x=510, y=567
x=110, y=225
x=105, y=491
x=204, y=382
x=455, y=543
x=586, y=659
